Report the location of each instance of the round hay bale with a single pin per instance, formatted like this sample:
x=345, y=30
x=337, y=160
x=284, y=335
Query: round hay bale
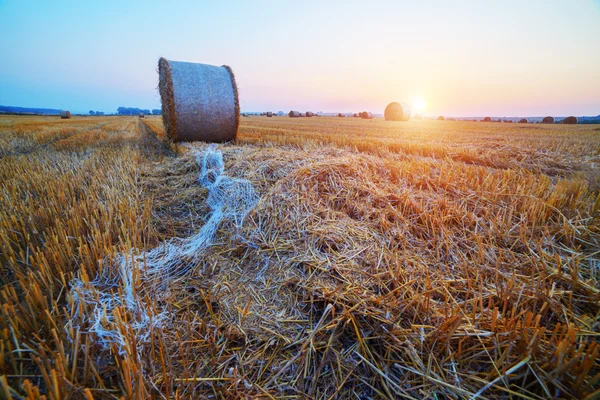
x=65, y=114
x=199, y=101
x=523, y=121
x=441, y=118
x=548, y=120
x=397, y=112
x=341, y=115
x=141, y=115
x=294, y=114
x=309, y=114
x=487, y=119
x=269, y=114
x=366, y=115
x=570, y=120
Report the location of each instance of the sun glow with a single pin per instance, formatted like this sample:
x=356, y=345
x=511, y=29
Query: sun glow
x=419, y=104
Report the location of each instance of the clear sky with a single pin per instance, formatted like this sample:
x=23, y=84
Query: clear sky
x=460, y=58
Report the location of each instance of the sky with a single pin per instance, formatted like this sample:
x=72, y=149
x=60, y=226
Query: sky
x=452, y=58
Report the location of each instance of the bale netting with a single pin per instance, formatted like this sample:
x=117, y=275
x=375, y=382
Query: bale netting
x=487, y=119
x=570, y=120
x=294, y=114
x=65, y=114
x=548, y=120
x=397, y=112
x=366, y=115
x=199, y=101
x=523, y=121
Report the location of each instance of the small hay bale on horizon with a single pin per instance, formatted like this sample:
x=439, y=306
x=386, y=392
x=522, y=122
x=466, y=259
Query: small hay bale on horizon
x=487, y=119
x=340, y=115
x=309, y=114
x=199, y=101
x=548, y=120
x=366, y=115
x=294, y=114
x=572, y=120
x=141, y=115
x=397, y=112
x=65, y=114
x=269, y=114
x=441, y=118
x=523, y=121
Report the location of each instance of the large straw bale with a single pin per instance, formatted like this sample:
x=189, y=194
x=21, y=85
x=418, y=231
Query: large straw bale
x=397, y=112
x=199, y=101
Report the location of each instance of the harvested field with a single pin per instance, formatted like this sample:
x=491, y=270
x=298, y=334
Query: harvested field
x=418, y=260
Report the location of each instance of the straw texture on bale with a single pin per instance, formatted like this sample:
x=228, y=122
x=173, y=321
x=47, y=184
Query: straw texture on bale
x=366, y=115
x=548, y=120
x=397, y=112
x=570, y=120
x=294, y=114
x=523, y=121
x=487, y=119
x=199, y=101
x=65, y=114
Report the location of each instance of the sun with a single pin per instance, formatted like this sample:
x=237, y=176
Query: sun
x=420, y=104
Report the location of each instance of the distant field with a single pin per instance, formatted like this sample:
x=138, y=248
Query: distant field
x=425, y=259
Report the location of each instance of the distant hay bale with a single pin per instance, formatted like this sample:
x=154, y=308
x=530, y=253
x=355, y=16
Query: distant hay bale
x=341, y=115
x=269, y=114
x=199, y=101
x=487, y=119
x=441, y=118
x=570, y=120
x=366, y=115
x=294, y=114
x=397, y=112
x=141, y=115
x=309, y=114
x=548, y=120
x=523, y=121
x=65, y=114
x=354, y=115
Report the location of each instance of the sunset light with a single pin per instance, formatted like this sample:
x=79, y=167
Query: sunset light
x=419, y=104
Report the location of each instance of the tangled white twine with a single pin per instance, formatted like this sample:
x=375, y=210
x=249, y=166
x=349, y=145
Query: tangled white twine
x=131, y=277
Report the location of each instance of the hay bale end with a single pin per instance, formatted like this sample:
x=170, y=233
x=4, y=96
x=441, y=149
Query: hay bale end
x=397, y=112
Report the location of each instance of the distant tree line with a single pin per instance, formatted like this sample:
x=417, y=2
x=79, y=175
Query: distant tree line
x=137, y=111
x=28, y=110
x=98, y=113
x=131, y=111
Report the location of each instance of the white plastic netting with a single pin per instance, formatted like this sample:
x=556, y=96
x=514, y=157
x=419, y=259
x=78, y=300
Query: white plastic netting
x=128, y=282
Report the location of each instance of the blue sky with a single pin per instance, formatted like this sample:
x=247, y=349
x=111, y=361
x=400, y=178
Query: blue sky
x=458, y=58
